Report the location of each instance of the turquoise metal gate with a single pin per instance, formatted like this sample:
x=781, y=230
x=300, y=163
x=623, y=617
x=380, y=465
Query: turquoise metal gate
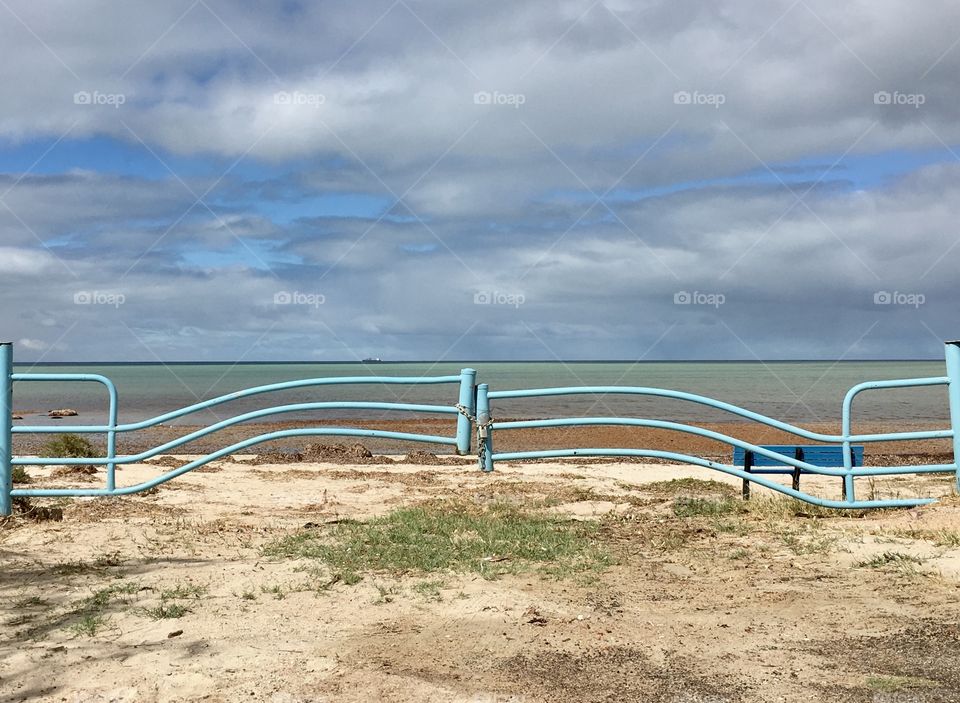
x=473, y=411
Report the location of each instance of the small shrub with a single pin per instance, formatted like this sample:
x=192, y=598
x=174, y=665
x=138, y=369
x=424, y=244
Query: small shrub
x=69, y=446
x=166, y=611
x=898, y=560
x=89, y=624
x=20, y=475
x=181, y=591
x=275, y=590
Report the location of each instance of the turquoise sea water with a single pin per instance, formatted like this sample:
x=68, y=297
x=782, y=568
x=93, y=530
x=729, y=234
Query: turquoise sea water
x=794, y=391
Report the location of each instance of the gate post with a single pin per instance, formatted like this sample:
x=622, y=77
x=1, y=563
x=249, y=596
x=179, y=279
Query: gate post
x=485, y=442
x=952, y=355
x=467, y=379
x=6, y=424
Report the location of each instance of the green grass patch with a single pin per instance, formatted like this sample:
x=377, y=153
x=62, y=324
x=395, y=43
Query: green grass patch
x=687, y=486
x=276, y=591
x=898, y=683
x=88, y=624
x=941, y=538
x=704, y=507
x=898, y=560
x=386, y=594
x=430, y=589
x=30, y=602
x=20, y=475
x=91, y=612
x=450, y=536
x=69, y=568
x=183, y=591
x=166, y=611
x=808, y=543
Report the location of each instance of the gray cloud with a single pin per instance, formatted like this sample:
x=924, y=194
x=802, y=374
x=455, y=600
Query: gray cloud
x=499, y=193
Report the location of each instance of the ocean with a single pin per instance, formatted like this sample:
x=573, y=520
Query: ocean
x=793, y=391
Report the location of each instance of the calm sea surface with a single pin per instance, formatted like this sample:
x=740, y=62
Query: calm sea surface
x=795, y=391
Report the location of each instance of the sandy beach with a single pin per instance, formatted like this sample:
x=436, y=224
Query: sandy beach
x=200, y=590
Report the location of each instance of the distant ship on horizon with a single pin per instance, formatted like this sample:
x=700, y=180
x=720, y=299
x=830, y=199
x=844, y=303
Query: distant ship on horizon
x=372, y=360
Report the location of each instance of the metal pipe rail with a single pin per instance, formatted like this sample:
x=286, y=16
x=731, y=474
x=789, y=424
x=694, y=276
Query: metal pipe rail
x=463, y=409
x=952, y=380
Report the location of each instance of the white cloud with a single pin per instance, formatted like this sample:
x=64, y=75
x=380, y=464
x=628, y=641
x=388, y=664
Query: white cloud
x=20, y=261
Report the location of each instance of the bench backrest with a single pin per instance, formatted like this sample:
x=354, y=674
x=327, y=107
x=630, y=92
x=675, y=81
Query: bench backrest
x=817, y=454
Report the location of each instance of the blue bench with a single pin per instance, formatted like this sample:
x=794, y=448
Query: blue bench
x=829, y=455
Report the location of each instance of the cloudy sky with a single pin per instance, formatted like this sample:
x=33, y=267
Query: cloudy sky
x=421, y=179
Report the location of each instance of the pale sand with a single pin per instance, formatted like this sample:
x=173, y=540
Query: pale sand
x=724, y=617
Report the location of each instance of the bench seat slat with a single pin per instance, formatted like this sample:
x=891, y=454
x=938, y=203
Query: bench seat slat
x=829, y=455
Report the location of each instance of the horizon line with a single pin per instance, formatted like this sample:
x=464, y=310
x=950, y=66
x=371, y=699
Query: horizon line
x=470, y=361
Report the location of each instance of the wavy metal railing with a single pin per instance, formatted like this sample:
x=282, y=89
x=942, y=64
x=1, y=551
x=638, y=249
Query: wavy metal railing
x=474, y=405
x=462, y=409
x=488, y=457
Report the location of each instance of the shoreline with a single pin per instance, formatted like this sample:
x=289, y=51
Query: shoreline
x=507, y=440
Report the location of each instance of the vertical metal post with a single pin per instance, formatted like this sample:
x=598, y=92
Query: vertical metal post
x=798, y=455
x=846, y=488
x=6, y=425
x=952, y=353
x=485, y=443
x=467, y=378
x=747, y=467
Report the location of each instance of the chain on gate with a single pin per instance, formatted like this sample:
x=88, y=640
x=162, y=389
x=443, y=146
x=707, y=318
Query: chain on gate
x=483, y=431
